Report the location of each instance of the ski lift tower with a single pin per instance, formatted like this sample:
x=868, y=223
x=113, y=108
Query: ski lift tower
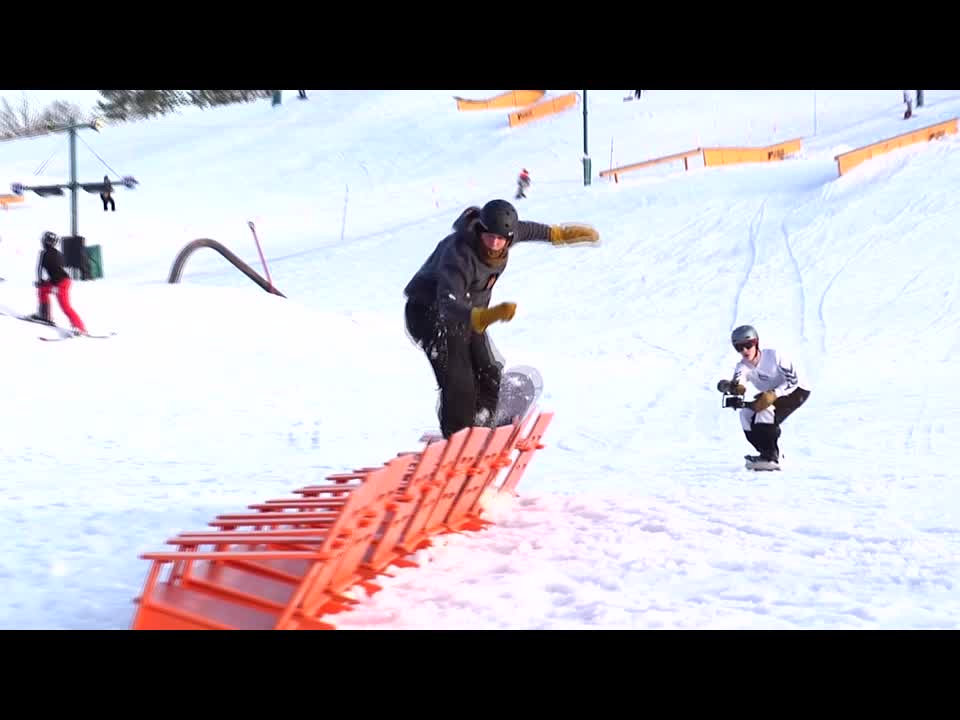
x=74, y=186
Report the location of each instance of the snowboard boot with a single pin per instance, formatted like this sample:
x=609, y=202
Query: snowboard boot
x=757, y=444
x=764, y=438
x=484, y=418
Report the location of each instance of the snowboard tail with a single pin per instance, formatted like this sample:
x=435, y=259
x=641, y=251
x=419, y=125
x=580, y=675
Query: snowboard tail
x=761, y=465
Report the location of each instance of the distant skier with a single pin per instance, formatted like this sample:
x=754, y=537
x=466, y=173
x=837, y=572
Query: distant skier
x=447, y=310
x=908, y=101
x=523, y=182
x=52, y=277
x=781, y=393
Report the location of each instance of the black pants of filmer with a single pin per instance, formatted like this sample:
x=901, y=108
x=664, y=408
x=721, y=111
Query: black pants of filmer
x=765, y=436
x=464, y=365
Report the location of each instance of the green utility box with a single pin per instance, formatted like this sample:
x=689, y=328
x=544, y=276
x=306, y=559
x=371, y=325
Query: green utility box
x=94, y=262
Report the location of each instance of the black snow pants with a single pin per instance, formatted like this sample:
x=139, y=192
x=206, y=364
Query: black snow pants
x=465, y=367
x=765, y=436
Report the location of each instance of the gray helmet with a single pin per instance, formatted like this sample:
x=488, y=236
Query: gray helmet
x=49, y=239
x=743, y=334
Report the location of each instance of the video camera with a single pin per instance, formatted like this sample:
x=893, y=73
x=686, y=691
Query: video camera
x=729, y=400
x=733, y=401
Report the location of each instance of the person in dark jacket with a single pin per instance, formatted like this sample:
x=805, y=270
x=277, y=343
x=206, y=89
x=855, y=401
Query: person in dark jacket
x=448, y=306
x=51, y=276
x=107, y=195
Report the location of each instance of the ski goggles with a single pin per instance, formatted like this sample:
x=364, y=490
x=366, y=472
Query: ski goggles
x=745, y=345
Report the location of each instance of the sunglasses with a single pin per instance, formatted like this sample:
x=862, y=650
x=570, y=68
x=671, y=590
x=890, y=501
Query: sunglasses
x=740, y=347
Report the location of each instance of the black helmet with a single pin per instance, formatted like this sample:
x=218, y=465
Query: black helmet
x=743, y=334
x=499, y=217
x=49, y=239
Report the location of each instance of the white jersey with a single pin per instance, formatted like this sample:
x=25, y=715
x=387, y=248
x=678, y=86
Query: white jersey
x=775, y=371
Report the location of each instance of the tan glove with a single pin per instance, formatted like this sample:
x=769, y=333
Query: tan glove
x=763, y=400
x=570, y=233
x=481, y=318
x=727, y=386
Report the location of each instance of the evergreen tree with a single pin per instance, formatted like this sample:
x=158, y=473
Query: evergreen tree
x=136, y=104
x=117, y=104
x=212, y=98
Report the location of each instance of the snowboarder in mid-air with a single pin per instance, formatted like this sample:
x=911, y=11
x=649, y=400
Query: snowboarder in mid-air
x=782, y=391
x=448, y=306
x=51, y=277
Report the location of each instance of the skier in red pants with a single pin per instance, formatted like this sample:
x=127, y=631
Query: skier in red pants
x=56, y=280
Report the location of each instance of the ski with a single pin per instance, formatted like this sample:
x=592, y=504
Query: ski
x=70, y=336
x=65, y=334
x=27, y=318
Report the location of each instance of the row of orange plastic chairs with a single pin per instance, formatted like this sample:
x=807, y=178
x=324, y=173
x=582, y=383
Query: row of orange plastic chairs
x=286, y=563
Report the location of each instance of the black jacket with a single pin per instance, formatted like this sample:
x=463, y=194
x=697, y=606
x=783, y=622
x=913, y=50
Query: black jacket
x=456, y=277
x=51, y=262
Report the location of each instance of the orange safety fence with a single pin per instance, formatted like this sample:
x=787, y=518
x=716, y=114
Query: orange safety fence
x=287, y=563
x=849, y=160
x=511, y=98
x=545, y=108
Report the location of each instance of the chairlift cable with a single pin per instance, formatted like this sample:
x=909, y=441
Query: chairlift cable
x=98, y=157
x=46, y=162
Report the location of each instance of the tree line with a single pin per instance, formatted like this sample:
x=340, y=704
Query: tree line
x=24, y=120
x=137, y=104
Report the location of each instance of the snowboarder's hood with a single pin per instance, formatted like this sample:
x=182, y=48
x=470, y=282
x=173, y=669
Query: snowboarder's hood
x=468, y=220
